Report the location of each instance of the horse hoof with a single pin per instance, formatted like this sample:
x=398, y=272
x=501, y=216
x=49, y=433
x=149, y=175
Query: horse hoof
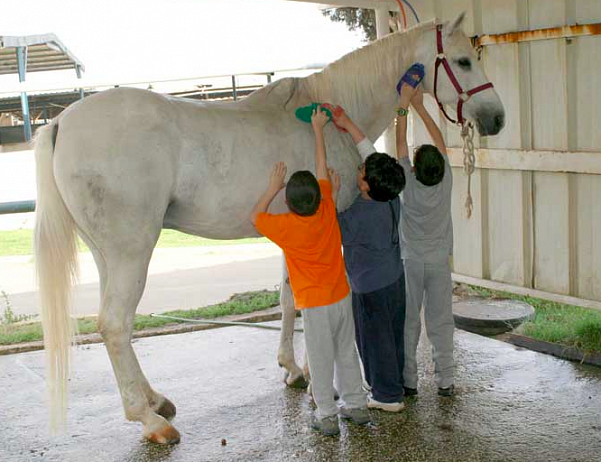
x=298, y=382
x=166, y=409
x=165, y=435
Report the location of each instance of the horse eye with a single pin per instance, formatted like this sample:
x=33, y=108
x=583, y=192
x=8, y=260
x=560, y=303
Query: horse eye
x=465, y=64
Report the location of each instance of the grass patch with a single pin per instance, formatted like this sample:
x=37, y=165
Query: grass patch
x=246, y=302
x=19, y=242
x=554, y=322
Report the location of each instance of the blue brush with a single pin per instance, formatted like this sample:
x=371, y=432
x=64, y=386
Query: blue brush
x=410, y=78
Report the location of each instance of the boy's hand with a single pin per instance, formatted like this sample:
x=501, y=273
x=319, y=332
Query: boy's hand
x=417, y=101
x=319, y=119
x=407, y=94
x=341, y=119
x=278, y=174
x=334, y=179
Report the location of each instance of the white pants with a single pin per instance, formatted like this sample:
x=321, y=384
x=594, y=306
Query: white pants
x=330, y=345
x=429, y=283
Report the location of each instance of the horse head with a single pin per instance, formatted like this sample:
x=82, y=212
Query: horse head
x=460, y=82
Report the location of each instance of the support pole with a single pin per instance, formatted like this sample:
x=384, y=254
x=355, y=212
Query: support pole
x=234, y=91
x=383, y=29
x=78, y=72
x=22, y=65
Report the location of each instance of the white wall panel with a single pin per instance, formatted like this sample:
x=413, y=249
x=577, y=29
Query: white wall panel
x=549, y=95
x=501, y=65
x=505, y=228
x=546, y=222
x=449, y=9
x=551, y=232
x=546, y=13
x=587, y=69
x=587, y=11
x=468, y=234
x=499, y=16
x=588, y=236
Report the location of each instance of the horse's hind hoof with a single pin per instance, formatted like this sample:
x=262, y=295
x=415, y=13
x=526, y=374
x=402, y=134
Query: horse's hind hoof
x=298, y=382
x=166, y=409
x=165, y=435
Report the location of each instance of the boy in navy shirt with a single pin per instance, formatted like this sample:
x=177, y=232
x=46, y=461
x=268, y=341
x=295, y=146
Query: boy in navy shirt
x=370, y=239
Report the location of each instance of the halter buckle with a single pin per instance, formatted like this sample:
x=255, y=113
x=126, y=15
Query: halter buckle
x=440, y=56
x=464, y=97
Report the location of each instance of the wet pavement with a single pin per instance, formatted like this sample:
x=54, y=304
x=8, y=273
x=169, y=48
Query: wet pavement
x=511, y=405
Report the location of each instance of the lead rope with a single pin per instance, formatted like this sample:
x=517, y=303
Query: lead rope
x=469, y=162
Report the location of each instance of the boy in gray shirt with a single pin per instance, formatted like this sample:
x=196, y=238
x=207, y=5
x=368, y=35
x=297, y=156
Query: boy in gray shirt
x=426, y=244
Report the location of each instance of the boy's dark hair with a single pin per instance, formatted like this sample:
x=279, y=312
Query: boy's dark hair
x=303, y=194
x=429, y=165
x=385, y=177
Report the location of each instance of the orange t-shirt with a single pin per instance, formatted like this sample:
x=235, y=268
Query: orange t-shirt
x=312, y=247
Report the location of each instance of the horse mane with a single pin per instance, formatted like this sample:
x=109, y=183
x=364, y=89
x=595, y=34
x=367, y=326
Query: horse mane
x=361, y=70
x=344, y=82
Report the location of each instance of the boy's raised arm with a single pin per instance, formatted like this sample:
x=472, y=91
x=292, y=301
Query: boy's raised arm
x=276, y=182
x=402, y=149
x=365, y=146
x=418, y=104
x=318, y=121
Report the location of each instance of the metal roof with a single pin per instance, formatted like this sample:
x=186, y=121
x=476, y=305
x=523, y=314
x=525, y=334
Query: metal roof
x=44, y=53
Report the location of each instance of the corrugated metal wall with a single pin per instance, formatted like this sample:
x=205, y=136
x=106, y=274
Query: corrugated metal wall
x=537, y=213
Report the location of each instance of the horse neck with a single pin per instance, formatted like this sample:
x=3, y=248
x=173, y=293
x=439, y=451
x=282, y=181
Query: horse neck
x=364, y=81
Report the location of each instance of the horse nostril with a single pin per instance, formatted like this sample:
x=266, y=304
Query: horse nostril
x=499, y=122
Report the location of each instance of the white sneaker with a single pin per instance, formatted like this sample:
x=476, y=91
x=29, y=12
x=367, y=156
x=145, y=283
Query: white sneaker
x=388, y=407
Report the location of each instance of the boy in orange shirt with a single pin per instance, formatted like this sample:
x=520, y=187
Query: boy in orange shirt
x=310, y=238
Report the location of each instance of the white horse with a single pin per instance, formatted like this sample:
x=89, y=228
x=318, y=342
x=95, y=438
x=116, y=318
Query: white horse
x=119, y=166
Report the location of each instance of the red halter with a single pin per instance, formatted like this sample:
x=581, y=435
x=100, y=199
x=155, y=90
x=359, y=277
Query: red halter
x=464, y=96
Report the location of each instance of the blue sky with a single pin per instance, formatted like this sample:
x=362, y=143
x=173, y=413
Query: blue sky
x=133, y=40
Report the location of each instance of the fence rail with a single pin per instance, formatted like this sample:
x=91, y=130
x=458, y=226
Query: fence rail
x=16, y=207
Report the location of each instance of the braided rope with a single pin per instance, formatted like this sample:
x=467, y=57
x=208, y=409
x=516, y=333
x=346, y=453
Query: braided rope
x=469, y=163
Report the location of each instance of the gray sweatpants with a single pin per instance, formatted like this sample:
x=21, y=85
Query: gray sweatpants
x=429, y=283
x=330, y=345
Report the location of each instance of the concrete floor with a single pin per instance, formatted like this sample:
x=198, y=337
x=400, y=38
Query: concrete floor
x=511, y=405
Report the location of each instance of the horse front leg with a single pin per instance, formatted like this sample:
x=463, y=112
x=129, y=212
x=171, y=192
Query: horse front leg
x=294, y=375
x=125, y=280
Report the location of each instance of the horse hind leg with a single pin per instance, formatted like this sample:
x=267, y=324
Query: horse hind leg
x=157, y=402
x=125, y=281
x=294, y=375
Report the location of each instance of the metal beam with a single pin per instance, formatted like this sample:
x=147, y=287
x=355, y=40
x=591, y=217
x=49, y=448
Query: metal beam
x=540, y=34
x=22, y=63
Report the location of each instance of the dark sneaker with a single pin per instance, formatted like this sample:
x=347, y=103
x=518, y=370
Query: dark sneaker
x=359, y=415
x=328, y=426
x=410, y=391
x=448, y=391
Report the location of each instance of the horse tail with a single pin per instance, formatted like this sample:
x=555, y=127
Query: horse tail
x=55, y=245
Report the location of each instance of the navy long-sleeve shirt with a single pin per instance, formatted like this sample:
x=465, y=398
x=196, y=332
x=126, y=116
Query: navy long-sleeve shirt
x=370, y=239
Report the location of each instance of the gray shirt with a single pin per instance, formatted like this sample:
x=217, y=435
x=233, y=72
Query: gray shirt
x=426, y=225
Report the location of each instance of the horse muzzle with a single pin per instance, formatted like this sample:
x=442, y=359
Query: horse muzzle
x=489, y=122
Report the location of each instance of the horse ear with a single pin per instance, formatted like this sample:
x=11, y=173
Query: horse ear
x=454, y=24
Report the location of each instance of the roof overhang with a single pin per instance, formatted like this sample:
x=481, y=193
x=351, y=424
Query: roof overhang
x=44, y=53
x=374, y=4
